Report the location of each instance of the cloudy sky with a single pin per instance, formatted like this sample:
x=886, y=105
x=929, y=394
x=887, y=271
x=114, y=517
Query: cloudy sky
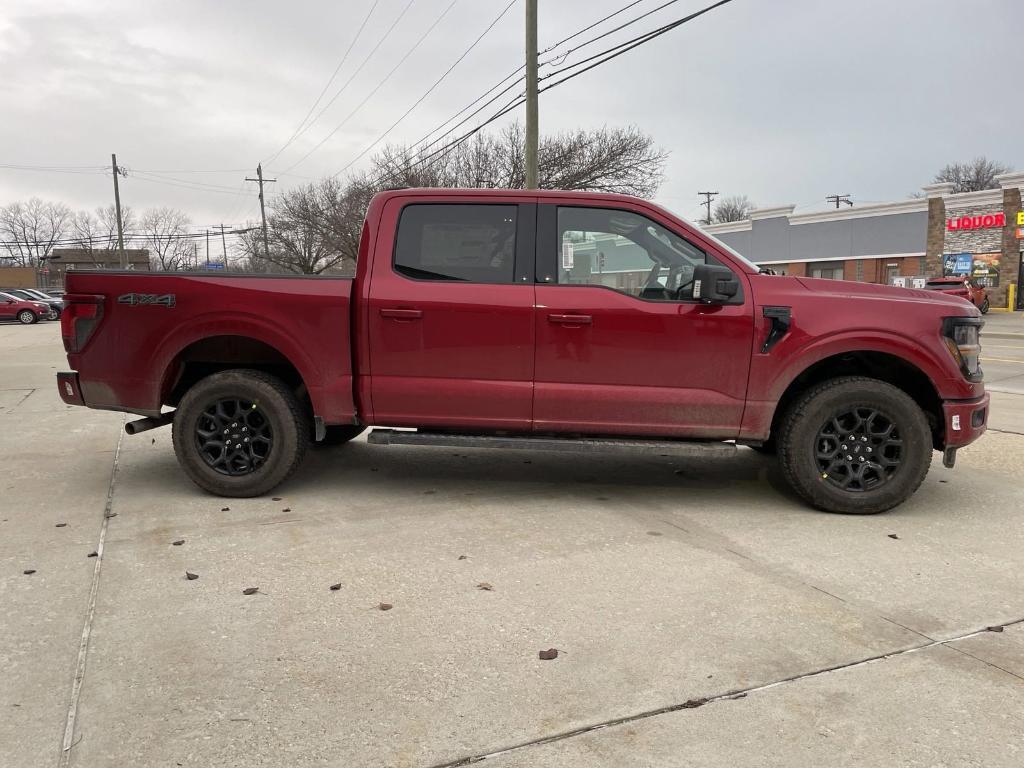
x=783, y=100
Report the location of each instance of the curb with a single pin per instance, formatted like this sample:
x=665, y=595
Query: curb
x=998, y=335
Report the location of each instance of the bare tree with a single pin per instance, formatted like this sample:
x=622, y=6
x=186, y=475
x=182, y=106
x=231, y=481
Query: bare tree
x=165, y=232
x=315, y=228
x=976, y=175
x=604, y=160
x=30, y=230
x=733, y=208
x=97, y=230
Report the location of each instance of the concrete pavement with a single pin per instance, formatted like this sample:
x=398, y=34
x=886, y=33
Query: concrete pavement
x=661, y=582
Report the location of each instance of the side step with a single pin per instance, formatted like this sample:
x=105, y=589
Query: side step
x=557, y=444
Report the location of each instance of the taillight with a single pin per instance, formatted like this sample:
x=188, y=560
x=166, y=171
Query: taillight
x=82, y=313
x=962, y=336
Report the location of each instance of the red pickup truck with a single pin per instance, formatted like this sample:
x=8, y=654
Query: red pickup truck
x=542, y=320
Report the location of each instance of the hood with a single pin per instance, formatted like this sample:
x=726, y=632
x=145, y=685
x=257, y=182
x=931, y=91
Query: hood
x=851, y=289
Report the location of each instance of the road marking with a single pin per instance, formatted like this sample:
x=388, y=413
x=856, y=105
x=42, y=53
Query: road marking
x=1001, y=360
x=83, y=645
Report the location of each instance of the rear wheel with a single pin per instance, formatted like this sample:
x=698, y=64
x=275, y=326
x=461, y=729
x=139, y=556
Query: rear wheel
x=855, y=445
x=27, y=317
x=239, y=433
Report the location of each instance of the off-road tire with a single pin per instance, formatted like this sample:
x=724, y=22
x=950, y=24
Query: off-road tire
x=799, y=432
x=288, y=421
x=339, y=434
x=27, y=317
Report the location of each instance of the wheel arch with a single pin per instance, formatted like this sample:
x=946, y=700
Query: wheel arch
x=883, y=366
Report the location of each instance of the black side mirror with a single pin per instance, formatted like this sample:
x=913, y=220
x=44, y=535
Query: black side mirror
x=713, y=284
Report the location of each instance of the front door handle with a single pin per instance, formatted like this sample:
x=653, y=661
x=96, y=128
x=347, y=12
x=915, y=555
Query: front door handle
x=402, y=314
x=571, y=319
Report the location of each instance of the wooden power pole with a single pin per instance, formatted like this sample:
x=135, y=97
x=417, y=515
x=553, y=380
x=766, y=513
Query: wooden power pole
x=532, y=129
x=263, y=209
x=117, y=209
x=223, y=242
x=708, y=197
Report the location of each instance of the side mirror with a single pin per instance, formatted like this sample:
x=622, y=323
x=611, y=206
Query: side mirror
x=713, y=284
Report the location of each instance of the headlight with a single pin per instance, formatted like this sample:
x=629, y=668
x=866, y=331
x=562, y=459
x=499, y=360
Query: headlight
x=962, y=336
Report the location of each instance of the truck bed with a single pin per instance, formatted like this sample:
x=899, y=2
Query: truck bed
x=157, y=330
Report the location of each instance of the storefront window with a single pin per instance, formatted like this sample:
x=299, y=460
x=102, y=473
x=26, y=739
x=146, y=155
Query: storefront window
x=830, y=270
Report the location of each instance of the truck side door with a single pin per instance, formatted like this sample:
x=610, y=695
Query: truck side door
x=450, y=322
x=622, y=346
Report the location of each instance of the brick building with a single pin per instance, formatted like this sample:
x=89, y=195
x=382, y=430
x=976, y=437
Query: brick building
x=903, y=242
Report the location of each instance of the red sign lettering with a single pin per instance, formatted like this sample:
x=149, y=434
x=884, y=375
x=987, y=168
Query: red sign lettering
x=977, y=222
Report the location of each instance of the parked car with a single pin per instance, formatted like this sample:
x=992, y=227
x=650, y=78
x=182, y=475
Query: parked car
x=964, y=287
x=57, y=293
x=554, y=321
x=30, y=294
x=24, y=311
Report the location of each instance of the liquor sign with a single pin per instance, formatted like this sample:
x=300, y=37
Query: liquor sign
x=986, y=221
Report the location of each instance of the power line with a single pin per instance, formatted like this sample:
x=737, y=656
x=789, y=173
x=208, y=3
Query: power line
x=590, y=27
x=379, y=85
x=353, y=76
x=628, y=45
x=327, y=85
x=708, y=197
x=429, y=90
x=837, y=199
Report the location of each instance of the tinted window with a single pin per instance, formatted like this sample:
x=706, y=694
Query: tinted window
x=627, y=252
x=467, y=243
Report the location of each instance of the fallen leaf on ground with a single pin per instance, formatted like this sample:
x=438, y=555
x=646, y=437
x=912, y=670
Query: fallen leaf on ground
x=893, y=536
x=191, y=576
x=694, y=703
x=61, y=525
x=994, y=629
x=335, y=587
x=485, y=586
x=385, y=606
x=177, y=543
x=225, y=509
x=110, y=515
x=287, y=509
x=29, y=571
x=463, y=557
x=154, y=441
x=276, y=498
x=250, y=590
x=93, y=554
x=548, y=655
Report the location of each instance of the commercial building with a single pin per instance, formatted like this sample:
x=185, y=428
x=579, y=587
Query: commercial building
x=903, y=243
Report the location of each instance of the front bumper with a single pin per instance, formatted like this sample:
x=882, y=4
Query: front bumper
x=965, y=421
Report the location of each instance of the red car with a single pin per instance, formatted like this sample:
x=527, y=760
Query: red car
x=550, y=321
x=26, y=312
x=964, y=287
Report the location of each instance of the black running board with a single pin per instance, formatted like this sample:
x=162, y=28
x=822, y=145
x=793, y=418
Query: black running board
x=710, y=449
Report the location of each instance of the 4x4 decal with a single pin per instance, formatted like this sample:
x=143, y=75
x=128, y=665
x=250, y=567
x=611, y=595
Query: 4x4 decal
x=138, y=299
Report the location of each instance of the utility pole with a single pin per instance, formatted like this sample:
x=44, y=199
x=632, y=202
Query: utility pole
x=207, y=249
x=532, y=130
x=708, y=197
x=837, y=199
x=263, y=210
x=223, y=243
x=117, y=208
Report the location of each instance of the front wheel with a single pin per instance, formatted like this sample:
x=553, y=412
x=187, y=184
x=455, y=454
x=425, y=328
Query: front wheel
x=27, y=317
x=855, y=445
x=239, y=433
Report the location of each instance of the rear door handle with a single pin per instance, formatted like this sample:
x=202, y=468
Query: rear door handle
x=402, y=314
x=571, y=319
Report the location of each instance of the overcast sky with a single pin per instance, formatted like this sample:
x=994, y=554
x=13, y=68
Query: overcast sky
x=783, y=100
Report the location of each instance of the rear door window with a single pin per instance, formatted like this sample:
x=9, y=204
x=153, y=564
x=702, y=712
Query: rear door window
x=457, y=243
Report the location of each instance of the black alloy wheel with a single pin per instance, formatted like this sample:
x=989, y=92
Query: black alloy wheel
x=858, y=449
x=234, y=436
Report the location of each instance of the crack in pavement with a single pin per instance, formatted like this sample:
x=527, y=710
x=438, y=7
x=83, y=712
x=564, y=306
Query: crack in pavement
x=737, y=693
x=83, y=645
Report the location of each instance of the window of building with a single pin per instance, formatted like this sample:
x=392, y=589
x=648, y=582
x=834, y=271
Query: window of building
x=625, y=251
x=830, y=270
x=464, y=243
x=892, y=271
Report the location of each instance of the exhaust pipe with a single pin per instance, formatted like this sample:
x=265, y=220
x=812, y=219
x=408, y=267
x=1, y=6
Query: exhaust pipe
x=134, y=427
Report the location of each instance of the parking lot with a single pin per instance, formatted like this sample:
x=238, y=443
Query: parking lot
x=702, y=615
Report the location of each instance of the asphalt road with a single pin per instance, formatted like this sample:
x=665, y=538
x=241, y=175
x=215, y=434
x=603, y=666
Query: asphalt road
x=703, y=616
